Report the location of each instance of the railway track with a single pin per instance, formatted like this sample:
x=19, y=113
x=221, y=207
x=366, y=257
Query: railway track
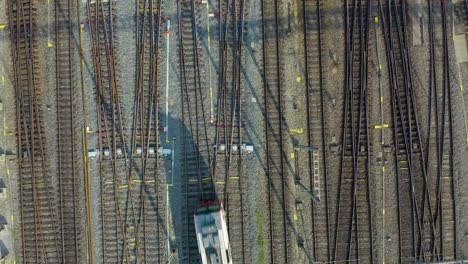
x=40, y=237
x=317, y=166
x=117, y=217
x=353, y=232
x=146, y=181
x=440, y=165
x=68, y=138
x=415, y=199
x=275, y=149
x=197, y=181
x=228, y=155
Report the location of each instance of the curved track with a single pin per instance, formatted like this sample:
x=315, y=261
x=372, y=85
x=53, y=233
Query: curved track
x=40, y=229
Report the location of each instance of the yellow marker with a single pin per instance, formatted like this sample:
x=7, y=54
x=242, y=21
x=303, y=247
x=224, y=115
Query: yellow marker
x=295, y=13
x=380, y=66
x=2, y=26
x=150, y=181
x=293, y=155
x=123, y=187
x=3, y=78
x=12, y=218
x=131, y=227
x=206, y=179
x=234, y=177
x=8, y=172
x=220, y=182
x=383, y=168
x=136, y=180
x=298, y=131
x=298, y=79
x=295, y=217
x=376, y=19
x=383, y=211
x=381, y=98
x=109, y=182
x=462, y=88
x=381, y=126
x=49, y=44
x=209, y=37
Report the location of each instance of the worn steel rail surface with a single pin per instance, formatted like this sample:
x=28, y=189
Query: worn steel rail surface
x=353, y=241
x=117, y=215
x=228, y=155
x=320, y=213
x=197, y=181
x=275, y=151
x=40, y=229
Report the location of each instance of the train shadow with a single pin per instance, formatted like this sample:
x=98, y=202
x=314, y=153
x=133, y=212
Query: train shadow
x=185, y=189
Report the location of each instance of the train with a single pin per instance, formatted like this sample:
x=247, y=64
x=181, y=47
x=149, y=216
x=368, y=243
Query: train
x=212, y=234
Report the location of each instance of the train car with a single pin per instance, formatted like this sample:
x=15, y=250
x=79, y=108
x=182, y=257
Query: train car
x=212, y=235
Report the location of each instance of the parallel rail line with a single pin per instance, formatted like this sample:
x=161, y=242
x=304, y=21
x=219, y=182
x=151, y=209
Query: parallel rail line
x=320, y=213
x=68, y=166
x=275, y=149
x=197, y=181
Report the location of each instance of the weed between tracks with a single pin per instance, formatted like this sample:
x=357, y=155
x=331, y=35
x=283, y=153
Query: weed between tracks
x=258, y=220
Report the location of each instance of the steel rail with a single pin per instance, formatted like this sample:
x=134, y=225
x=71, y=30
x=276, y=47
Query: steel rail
x=67, y=140
x=40, y=243
x=309, y=76
x=355, y=129
x=274, y=133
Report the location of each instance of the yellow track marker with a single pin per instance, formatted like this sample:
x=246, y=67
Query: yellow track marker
x=2, y=26
x=376, y=19
x=109, y=182
x=381, y=126
x=123, y=187
x=298, y=79
x=293, y=155
x=220, y=183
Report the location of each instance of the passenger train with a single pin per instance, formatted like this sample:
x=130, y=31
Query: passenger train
x=212, y=234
